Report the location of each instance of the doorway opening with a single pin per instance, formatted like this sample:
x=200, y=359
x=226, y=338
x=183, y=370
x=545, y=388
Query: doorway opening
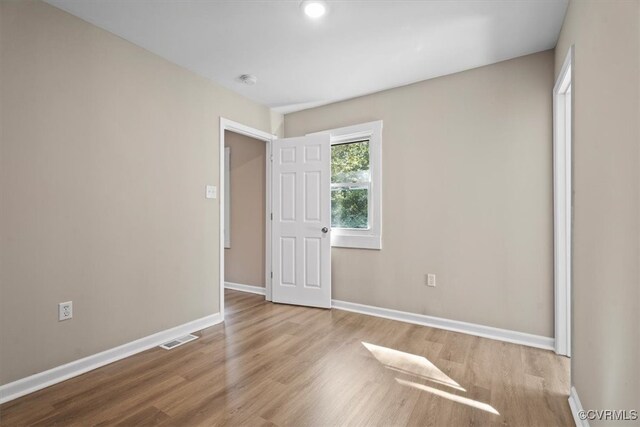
x=562, y=204
x=245, y=209
x=297, y=209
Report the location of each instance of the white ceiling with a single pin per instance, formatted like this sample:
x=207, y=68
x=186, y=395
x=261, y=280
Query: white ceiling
x=359, y=47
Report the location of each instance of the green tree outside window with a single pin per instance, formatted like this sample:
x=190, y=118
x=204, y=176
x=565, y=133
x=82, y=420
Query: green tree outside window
x=350, y=185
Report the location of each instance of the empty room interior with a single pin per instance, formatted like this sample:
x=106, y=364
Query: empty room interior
x=320, y=213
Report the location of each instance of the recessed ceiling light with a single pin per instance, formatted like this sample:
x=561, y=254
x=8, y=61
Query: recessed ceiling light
x=314, y=8
x=248, y=79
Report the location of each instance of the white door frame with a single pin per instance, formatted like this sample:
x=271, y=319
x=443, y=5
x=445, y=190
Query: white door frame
x=563, y=203
x=226, y=124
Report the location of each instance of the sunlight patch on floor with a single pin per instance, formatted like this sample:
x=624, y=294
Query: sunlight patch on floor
x=421, y=367
x=411, y=364
x=454, y=397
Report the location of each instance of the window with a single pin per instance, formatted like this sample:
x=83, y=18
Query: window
x=350, y=185
x=356, y=214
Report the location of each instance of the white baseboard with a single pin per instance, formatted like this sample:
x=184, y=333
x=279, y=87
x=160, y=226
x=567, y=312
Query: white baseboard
x=61, y=373
x=450, y=325
x=576, y=406
x=245, y=288
x=522, y=338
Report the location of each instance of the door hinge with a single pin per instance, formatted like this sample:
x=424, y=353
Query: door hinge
x=271, y=216
x=272, y=274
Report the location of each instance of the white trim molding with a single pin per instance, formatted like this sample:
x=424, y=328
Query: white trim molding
x=576, y=406
x=449, y=325
x=562, y=205
x=64, y=372
x=227, y=196
x=230, y=125
x=245, y=288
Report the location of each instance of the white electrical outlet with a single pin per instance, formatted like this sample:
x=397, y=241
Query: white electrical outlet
x=431, y=280
x=65, y=310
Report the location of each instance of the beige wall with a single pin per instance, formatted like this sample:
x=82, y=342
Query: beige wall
x=467, y=195
x=244, y=261
x=606, y=277
x=106, y=151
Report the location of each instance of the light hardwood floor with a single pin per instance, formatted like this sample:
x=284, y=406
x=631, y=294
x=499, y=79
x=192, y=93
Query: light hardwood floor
x=272, y=364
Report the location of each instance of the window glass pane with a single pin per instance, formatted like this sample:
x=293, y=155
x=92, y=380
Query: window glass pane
x=350, y=162
x=349, y=207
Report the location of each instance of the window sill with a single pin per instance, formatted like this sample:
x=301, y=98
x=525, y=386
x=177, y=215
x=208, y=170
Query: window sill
x=356, y=242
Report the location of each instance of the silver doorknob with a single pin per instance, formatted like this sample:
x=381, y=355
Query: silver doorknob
x=325, y=230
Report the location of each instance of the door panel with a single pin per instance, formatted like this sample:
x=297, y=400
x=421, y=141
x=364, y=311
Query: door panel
x=288, y=195
x=302, y=209
x=312, y=261
x=288, y=253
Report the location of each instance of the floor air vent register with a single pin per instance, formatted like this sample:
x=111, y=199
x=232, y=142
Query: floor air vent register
x=178, y=342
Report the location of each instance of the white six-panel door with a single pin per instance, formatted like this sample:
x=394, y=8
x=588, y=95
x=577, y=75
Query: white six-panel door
x=301, y=229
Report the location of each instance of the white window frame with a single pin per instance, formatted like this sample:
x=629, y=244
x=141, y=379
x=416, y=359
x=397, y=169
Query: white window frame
x=370, y=238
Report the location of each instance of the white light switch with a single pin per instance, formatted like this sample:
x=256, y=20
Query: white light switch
x=212, y=192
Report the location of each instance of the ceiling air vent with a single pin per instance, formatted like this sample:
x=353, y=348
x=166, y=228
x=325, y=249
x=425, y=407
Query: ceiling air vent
x=178, y=342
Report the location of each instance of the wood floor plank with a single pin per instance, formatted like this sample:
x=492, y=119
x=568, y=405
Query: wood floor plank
x=282, y=365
